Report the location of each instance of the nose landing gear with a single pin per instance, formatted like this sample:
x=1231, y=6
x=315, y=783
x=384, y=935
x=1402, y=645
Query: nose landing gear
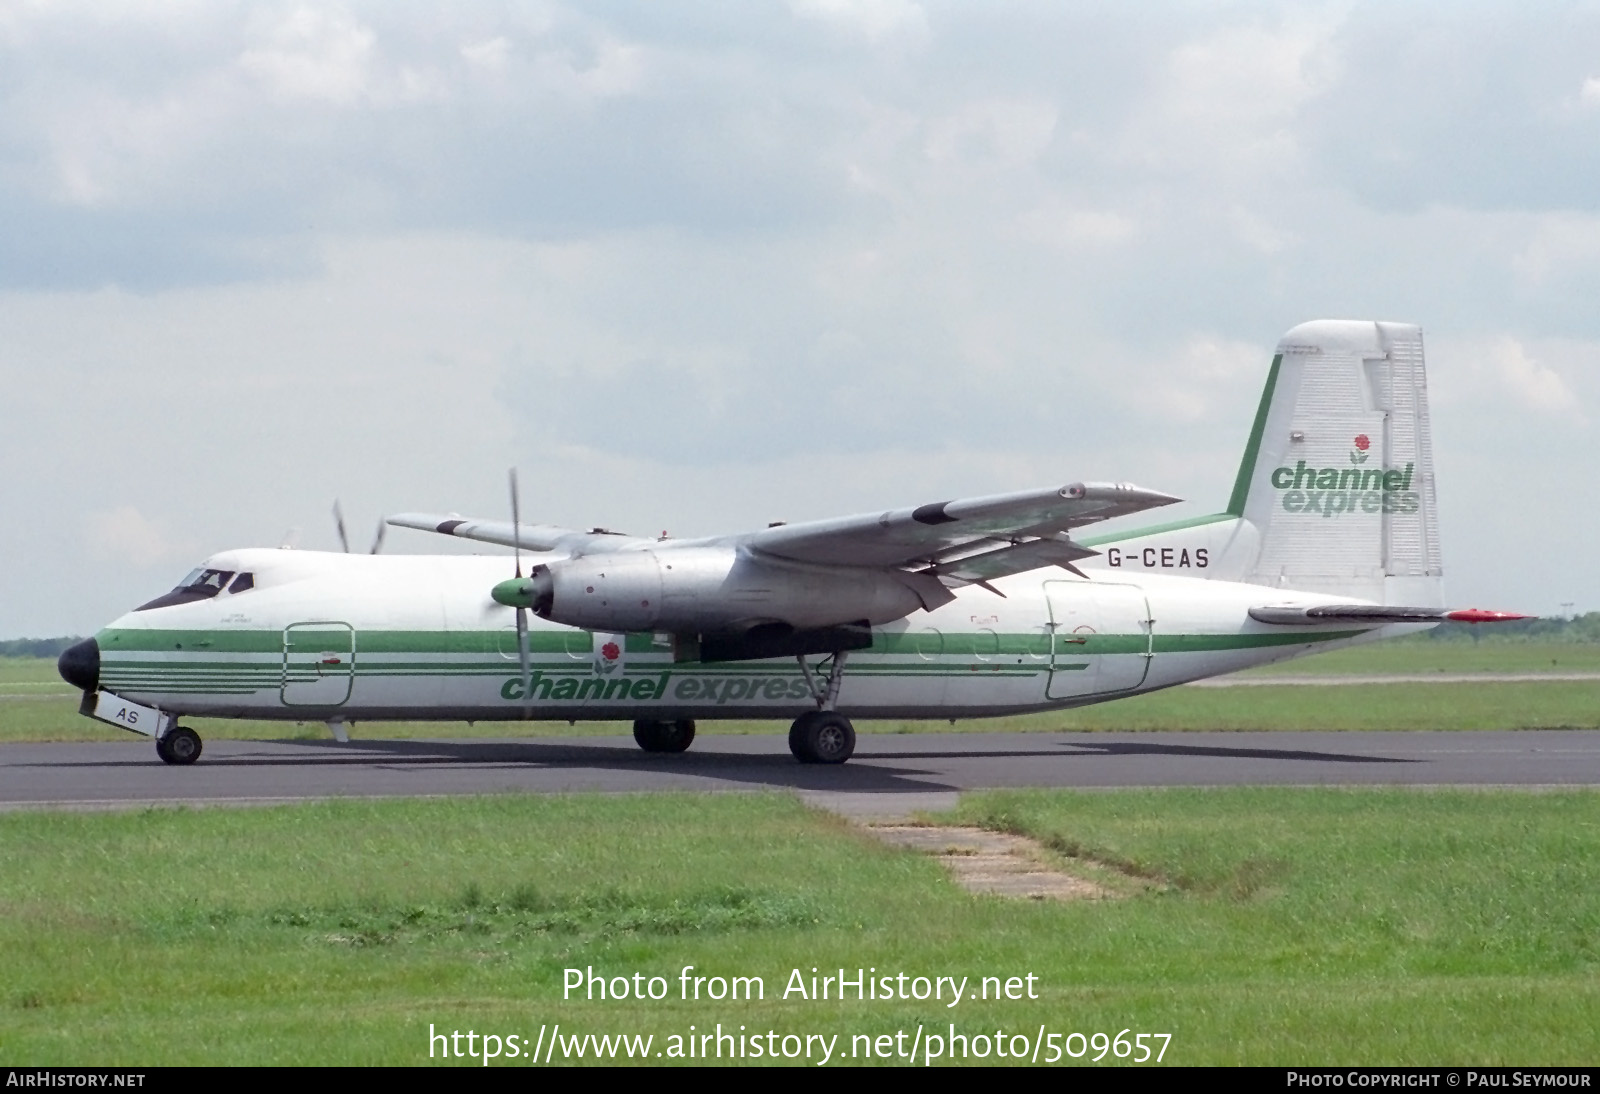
x=180, y=745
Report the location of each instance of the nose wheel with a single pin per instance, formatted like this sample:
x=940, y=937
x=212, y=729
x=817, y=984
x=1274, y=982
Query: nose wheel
x=180, y=745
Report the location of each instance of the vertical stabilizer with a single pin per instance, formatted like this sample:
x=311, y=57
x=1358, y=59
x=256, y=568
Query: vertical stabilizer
x=1337, y=479
x=1335, y=493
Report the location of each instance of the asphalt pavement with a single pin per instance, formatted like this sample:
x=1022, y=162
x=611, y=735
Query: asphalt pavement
x=121, y=774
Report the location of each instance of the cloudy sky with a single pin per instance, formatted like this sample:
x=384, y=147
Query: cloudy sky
x=699, y=266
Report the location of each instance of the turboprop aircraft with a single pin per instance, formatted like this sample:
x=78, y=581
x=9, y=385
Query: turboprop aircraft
x=951, y=609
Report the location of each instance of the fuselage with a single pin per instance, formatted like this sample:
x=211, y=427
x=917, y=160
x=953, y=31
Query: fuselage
x=313, y=636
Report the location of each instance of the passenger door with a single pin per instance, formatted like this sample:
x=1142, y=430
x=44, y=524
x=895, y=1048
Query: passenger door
x=318, y=664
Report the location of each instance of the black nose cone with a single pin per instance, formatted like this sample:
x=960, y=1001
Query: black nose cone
x=80, y=665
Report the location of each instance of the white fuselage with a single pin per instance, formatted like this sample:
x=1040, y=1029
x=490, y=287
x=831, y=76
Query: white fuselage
x=417, y=637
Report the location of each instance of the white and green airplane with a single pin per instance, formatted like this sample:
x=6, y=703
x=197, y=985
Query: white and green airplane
x=955, y=609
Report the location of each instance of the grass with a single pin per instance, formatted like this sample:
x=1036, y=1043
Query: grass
x=1412, y=657
x=1278, y=926
x=34, y=709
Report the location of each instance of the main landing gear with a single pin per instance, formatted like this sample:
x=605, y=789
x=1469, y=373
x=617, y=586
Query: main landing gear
x=823, y=736
x=180, y=745
x=664, y=736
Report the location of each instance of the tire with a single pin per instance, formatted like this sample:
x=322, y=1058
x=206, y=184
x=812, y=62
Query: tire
x=181, y=746
x=832, y=739
x=653, y=736
x=823, y=737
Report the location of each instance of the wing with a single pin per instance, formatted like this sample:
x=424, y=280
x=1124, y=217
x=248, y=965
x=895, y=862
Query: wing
x=968, y=540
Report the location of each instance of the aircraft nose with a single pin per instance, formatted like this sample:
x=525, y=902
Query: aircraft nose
x=79, y=665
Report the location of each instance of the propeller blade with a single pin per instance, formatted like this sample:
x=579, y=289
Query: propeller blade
x=526, y=659
x=523, y=654
x=516, y=523
x=338, y=522
x=377, y=541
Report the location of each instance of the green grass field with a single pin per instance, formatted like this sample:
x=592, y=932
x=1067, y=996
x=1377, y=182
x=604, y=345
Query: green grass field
x=1407, y=657
x=1276, y=926
x=35, y=705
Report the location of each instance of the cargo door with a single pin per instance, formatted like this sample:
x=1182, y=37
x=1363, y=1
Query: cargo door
x=1101, y=640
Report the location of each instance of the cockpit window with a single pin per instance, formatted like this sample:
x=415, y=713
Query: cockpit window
x=201, y=584
x=243, y=582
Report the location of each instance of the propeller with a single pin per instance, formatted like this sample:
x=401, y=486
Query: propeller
x=522, y=612
x=344, y=538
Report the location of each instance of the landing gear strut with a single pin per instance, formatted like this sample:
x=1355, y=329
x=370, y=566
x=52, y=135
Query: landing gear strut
x=180, y=745
x=664, y=736
x=823, y=736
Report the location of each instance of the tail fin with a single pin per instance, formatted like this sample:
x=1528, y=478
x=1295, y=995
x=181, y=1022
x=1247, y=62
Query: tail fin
x=1336, y=490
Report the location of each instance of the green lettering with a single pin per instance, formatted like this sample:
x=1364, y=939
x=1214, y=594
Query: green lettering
x=1350, y=478
x=1328, y=479
x=567, y=689
x=1405, y=483
x=1371, y=503
x=688, y=688
x=618, y=688
x=1294, y=501
x=538, y=687
x=648, y=690
x=1391, y=480
x=1372, y=479
x=1282, y=477
x=1304, y=476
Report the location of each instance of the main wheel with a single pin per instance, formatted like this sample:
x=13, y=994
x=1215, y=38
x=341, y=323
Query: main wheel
x=822, y=737
x=655, y=736
x=180, y=746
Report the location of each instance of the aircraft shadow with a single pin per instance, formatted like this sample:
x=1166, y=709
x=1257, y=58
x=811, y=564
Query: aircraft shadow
x=1133, y=748
x=777, y=770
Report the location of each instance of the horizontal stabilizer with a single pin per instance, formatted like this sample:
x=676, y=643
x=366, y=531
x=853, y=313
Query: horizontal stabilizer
x=1376, y=614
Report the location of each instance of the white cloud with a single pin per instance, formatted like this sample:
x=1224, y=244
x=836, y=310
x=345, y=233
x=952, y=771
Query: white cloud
x=1227, y=101
x=489, y=54
x=125, y=535
x=1069, y=226
x=874, y=20
x=1532, y=385
x=312, y=53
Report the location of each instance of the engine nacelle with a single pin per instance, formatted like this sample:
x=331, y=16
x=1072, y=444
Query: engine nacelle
x=711, y=589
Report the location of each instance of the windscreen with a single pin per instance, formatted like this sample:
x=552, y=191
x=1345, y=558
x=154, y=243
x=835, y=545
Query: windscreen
x=201, y=584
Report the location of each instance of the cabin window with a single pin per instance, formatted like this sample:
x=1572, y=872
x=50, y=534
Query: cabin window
x=243, y=583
